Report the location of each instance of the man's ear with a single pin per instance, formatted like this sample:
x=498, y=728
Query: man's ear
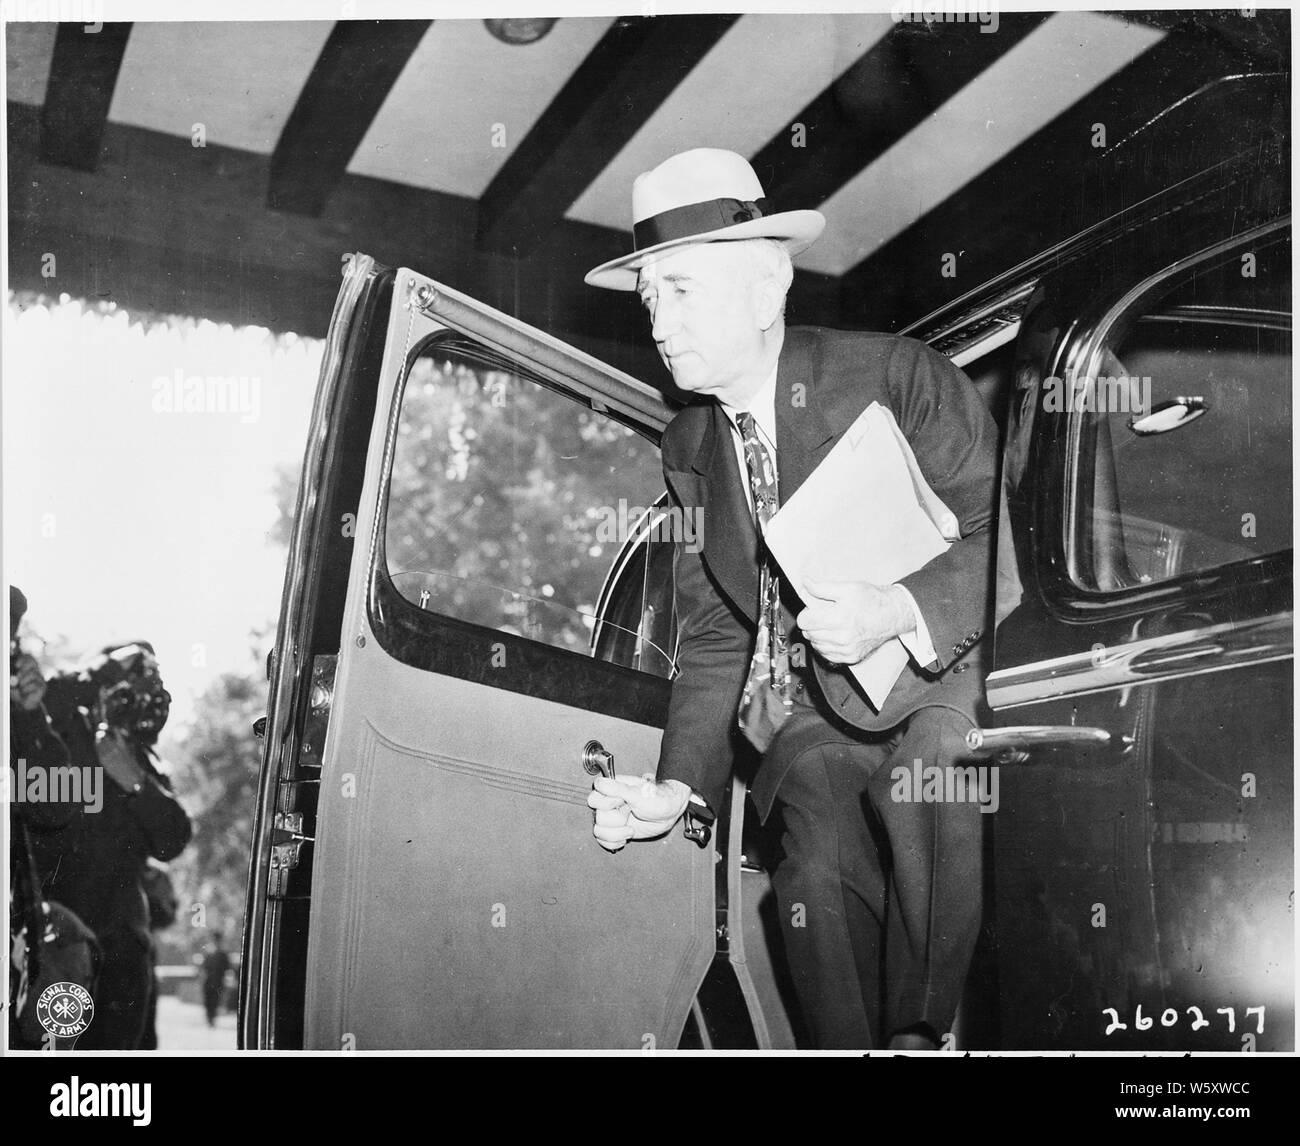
x=770, y=301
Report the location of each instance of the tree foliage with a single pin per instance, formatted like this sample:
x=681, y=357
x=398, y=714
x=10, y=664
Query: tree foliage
x=214, y=769
x=506, y=499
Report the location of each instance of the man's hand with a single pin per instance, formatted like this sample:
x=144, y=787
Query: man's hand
x=26, y=684
x=849, y=619
x=117, y=759
x=639, y=809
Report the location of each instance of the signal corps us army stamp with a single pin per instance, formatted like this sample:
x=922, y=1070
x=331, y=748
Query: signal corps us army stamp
x=65, y=1009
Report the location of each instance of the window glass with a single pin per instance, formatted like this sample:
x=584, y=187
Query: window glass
x=639, y=621
x=509, y=501
x=1185, y=448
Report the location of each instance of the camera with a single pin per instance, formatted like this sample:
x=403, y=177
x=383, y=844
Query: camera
x=123, y=686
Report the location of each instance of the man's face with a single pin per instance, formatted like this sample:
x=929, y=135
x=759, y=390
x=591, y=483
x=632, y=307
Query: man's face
x=703, y=302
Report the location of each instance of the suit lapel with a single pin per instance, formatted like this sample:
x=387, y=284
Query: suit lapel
x=730, y=540
x=803, y=434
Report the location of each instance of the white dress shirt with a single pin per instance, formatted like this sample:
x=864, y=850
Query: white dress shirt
x=763, y=408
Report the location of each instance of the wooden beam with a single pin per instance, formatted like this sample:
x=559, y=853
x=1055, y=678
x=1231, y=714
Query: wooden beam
x=352, y=77
x=901, y=81
x=615, y=90
x=1045, y=190
x=166, y=227
x=83, y=74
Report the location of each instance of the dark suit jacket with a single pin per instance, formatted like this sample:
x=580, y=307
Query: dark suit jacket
x=95, y=866
x=825, y=379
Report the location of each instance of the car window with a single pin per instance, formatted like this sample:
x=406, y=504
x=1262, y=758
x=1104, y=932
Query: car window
x=638, y=624
x=1183, y=461
x=509, y=500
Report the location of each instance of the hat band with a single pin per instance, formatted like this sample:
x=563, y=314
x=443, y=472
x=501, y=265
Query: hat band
x=695, y=219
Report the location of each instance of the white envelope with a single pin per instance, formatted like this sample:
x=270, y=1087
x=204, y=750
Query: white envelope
x=866, y=513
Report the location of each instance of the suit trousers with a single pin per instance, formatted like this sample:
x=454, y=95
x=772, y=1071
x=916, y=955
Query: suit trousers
x=121, y=993
x=879, y=896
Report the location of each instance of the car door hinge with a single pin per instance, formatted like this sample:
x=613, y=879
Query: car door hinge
x=284, y=858
x=287, y=839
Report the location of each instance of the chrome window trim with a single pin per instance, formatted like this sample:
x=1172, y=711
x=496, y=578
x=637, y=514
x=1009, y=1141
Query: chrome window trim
x=603, y=386
x=1224, y=316
x=1011, y=300
x=1192, y=652
x=990, y=342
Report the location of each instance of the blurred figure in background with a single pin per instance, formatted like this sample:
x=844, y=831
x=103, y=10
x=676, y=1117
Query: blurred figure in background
x=110, y=715
x=47, y=943
x=215, y=965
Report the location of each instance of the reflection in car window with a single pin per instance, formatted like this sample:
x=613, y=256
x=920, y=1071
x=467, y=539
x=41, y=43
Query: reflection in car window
x=509, y=501
x=1209, y=482
x=639, y=622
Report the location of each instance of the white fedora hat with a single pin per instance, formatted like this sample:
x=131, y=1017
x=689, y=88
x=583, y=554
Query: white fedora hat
x=702, y=196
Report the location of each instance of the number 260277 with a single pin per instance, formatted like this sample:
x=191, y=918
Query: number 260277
x=1171, y=1017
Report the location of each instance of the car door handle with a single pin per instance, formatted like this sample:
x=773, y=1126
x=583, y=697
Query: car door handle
x=1013, y=745
x=596, y=761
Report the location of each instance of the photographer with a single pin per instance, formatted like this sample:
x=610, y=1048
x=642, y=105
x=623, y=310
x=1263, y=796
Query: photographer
x=110, y=716
x=46, y=943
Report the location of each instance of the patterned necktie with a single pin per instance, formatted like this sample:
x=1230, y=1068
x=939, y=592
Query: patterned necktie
x=766, y=702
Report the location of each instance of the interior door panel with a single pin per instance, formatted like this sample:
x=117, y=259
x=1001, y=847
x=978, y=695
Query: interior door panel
x=472, y=907
x=468, y=904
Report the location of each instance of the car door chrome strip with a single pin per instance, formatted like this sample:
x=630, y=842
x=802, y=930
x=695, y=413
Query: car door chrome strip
x=566, y=364
x=986, y=344
x=1214, y=648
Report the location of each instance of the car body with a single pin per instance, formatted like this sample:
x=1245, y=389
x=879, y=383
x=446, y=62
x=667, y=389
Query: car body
x=478, y=617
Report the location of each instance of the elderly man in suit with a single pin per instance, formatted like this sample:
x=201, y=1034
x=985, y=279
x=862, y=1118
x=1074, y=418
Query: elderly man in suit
x=879, y=896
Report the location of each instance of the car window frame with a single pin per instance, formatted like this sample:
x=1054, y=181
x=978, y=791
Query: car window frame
x=448, y=646
x=1074, y=592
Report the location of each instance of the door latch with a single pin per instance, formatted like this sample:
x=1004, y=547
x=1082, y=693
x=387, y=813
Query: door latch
x=596, y=761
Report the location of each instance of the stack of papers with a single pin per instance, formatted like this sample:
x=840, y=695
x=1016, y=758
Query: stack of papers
x=865, y=513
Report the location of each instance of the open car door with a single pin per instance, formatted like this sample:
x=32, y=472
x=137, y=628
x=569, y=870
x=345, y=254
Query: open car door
x=424, y=873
